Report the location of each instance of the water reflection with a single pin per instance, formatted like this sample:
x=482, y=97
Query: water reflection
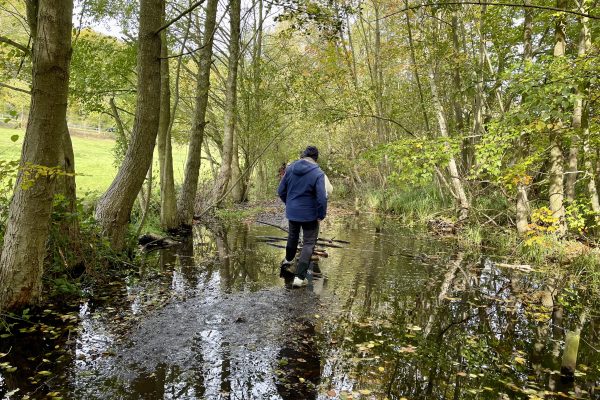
x=397, y=314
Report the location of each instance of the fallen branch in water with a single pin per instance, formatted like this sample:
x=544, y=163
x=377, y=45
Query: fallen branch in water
x=332, y=240
x=320, y=242
x=319, y=252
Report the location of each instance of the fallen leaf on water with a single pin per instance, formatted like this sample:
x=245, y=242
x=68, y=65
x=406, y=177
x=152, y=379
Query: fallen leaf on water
x=381, y=369
x=331, y=393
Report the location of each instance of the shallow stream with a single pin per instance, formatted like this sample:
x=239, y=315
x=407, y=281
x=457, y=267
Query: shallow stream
x=398, y=314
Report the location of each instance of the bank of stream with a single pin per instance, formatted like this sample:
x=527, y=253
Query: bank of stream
x=398, y=314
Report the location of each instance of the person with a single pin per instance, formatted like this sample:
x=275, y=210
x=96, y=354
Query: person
x=303, y=191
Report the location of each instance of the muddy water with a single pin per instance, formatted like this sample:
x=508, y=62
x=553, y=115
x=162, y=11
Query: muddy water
x=398, y=314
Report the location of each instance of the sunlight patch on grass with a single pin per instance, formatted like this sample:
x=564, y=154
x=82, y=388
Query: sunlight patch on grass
x=94, y=160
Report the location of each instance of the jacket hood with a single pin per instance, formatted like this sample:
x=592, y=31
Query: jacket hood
x=303, y=167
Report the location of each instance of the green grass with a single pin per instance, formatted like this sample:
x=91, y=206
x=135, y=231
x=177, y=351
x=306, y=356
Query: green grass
x=94, y=160
x=413, y=206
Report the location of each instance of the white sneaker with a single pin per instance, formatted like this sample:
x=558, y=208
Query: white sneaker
x=299, y=282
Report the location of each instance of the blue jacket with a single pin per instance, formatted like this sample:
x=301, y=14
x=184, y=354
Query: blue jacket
x=302, y=189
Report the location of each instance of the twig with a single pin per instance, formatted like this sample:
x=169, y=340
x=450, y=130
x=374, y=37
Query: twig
x=476, y=3
x=181, y=15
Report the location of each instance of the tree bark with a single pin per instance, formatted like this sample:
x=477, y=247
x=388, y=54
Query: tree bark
x=239, y=190
x=479, y=94
x=522, y=209
x=457, y=184
x=168, y=200
x=114, y=207
x=556, y=188
x=69, y=224
x=582, y=94
x=413, y=61
x=187, y=196
x=230, y=103
x=378, y=78
x=24, y=247
x=457, y=99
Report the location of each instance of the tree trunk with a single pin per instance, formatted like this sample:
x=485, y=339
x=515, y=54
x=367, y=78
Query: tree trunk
x=556, y=188
x=458, y=99
x=378, y=78
x=230, y=104
x=24, y=247
x=69, y=224
x=581, y=97
x=523, y=210
x=187, y=196
x=457, y=184
x=168, y=200
x=114, y=207
x=479, y=94
x=238, y=190
x=413, y=61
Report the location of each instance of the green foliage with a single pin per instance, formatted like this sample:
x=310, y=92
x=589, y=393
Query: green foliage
x=414, y=159
x=581, y=219
x=101, y=68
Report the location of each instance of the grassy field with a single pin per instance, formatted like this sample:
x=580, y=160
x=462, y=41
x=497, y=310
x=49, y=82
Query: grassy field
x=94, y=161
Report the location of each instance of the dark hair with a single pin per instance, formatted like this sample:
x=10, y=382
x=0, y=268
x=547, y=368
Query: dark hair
x=312, y=152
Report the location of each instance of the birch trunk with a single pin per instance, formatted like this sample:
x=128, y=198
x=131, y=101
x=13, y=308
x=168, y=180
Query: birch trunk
x=459, y=191
x=187, y=196
x=24, y=247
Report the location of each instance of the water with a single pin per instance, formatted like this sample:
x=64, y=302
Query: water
x=399, y=314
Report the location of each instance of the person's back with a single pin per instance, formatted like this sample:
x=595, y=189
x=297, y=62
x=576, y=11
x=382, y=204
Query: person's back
x=301, y=191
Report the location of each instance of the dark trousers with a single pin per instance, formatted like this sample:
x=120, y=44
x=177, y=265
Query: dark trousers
x=310, y=232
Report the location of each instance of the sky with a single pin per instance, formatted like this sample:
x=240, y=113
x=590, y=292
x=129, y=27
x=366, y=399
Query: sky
x=110, y=26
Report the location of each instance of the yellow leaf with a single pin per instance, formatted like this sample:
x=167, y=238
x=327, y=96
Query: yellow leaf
x=302, y=380
x=364, y=391
x=381, y=369
x=520, y=360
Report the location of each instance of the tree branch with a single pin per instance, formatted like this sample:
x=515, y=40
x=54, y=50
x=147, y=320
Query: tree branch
x=15, y=88
x=476, y=3
x=23, y=48
x=181, y=15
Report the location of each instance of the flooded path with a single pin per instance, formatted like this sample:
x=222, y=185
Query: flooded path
x=398, y=314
